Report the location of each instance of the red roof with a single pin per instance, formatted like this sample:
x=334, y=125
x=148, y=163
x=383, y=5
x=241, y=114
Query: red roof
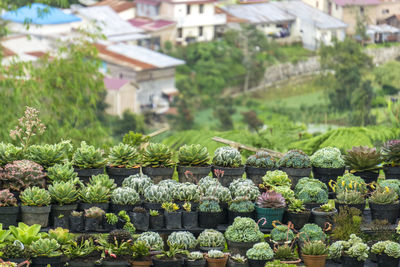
x=357, y=2
x=37, y=54
x=114, y=83
x=7, y=52
x=151, y=25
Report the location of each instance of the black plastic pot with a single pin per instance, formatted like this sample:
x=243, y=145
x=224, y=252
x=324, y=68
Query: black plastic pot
x=327, y=174
x=340, y=206
x=321, y=218
x=198, y=263
x=158, y=174
x=80, y=264
x=92, y=224
x=351, y=262
x=230, y=174
x=233, y=214
x=65, y=211
x=190, y=219
x=295, y=174
x=115, y=263
x=85, y=174
x=116, y=208
x=140, y=220
x=119, y=174
x=298, y=219
x=76, y=224
x=239, y=247
x=45, y=261
x=62, y=222
x=256, y=174
x=209, y=219
x=9, y=216
x=196, y=173
x=310, y=206
x=391, y=172
x=152, y=206
x=232, y=263
x=167, y=263
x=257, y=263
x=224, y=219
x=86, y=206
x=386, y=261
x=35, y=215
x=389, y=212
x=173, y=220
x=368, y=176
x=156, y=222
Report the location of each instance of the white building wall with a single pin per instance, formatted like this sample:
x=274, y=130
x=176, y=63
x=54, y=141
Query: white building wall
x=127, y=14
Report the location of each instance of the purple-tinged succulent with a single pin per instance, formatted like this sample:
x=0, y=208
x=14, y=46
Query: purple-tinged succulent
x=391, y=152
x=271, y=199
x=7, y=199
x=21, y=174
x=363, y=158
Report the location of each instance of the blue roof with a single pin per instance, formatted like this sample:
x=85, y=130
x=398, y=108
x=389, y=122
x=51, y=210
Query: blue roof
x=35, y=14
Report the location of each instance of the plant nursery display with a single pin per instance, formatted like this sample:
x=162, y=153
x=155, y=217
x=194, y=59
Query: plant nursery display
x=270, y=207
x=257, y=165
x=296, y=164
x=35, y=207
x=157, y=162
x=314, y=253
x=364, y=161
x=193, y=163
x=123, y=161
x=390, y=152
x=327, y=164
x=352, y=252
x=384, y=204
x=228, y=161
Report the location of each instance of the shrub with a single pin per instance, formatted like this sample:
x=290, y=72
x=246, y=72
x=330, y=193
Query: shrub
x=182, y=239
x=363, y=158
x=244, y=230
x=193, y=155
x=22, y=174
x=261, y=159
x=157, y=156
x=327, y=157
x=88, y=157
x=260, y=251
x=227, y=157
x=295, y=159
x=123, y=156
x=211, y=238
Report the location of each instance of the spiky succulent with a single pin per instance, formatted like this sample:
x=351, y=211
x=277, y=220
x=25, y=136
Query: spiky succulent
x=384, y=195
x=311, y=232
x=211, y=238
x=187, y=192
x=295, y=159
x=94, y=212
x=241, y=204
x=153, y=240
x=9, y=153
x=63, y=193
x=94, y=194
x=363, y=158
x=157, y=155
x=244, y=230
x=390, y=248
x=227, y=157
x=350, y=197
x=138, y=182
x=250, y=191
x=391, y=152
x=22, y=174
x=35, y=196
x=296, y=205
x=158, y=194
x=327, y=157
x=314, y=248
x=207, y=182
x=88, y=157
x=103, y=180
x=125, y=196
x=182, y=239
x=282, y=233
x=47, y=155
x=272, y=200
x=215, y=254
x=276, y=178
x=62, y=173
x=284, y=252
x=260, y=251
x=262, y=159
x=7, y=199
x=123, y=156
x=193, y=155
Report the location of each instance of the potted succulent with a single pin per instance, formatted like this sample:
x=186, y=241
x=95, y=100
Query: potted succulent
x=384, y=204
x=246, y=190
x=240, y=207
x=9, y=153
x=351, y=199
x=270, y=207
x=61, y=173
x=275, y=178
x=211, y=239
x=286, y=255
x=9, y=208
x=124, y=198
x=237, y=260
x=195, y=259
x=387, y=253
x=242, y=235
x=259, y=254
x=93, y=219
x=156, y=220
x=310, y=232
x=327, y=164
x=314, y=253
x=172, y=215
x=116, y=248
x=391, y=183
x=257, y=165
x=281, y=234
x=193, y=159
x=312, y=192
x=47, y=155
x=223, y=194
x=138, y=182
x=123, y=161
x=216, y=258
x=16, y=252
x=324, y=214
x=140, y=218
x=155, y=195
x=390, y=152
x=186, y=193
x=96, y=195
x=227, y=165
x=352, y=252
x=209, y=212
x=141, y=254
x=153, y=240
x=296, y=164
x=157, y=162
x=237, y=183
x=110, y=222
x=182, y=239
x=46, y=252
x=190, y=217
x=364, y=161
x=206, y=183
x=81, y=252
x=296, y=213
x=88, y=161
x=63, y=196
x=36, y=206
x=170, y=258
x=76, y=221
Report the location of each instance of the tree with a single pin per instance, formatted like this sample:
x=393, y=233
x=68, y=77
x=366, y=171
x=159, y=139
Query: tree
x=362, y=102
x=129, y=122
x=251, y=119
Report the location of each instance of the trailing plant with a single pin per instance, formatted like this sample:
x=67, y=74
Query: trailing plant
x=296, y=206
x=313, y=194
x=46, y=248
x=94, y=212
x=170, y=206
x=354, y=248
x=187, y=192
x=262, y=159
x=211, y=238
x=390, y=152
x=241, y=204
x=314, y=248
x=390, y=248
x=311, y=232
x=47, y=155
x=350, y=197
x=348, y=182
x=282, y=233
x=94, y=194
x=35, y=196
x=62, y=173
x=295, y=159
x=157, y=155
x=22, y=174
x=157, y=194
x=88, y=157
x=9, y=153
x=125, y=196
x=182, y=239
x=327, y=157
x=244, y=230
x=260, y=251
x=209, y=204
x=103, y=180
x=152, y=239
x=272, y=200
x=275, y=178
x=383, y=195
x=195, y=256
x=227, y=157
x=193, y=155
x=215, y=254
x=63, y=193
x=363, y=158
x=123, y=156
x=138, y=182
x=208, y=182
x=7, y=199
x=249, y=191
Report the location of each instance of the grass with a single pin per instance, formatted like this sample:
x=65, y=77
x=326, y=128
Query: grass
x=294, y=53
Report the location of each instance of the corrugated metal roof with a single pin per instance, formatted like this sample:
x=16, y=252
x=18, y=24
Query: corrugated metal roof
x=259, y=13
x=357, y=2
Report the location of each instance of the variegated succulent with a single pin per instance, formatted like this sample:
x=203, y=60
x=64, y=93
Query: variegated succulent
x=227, y=157
x=211, y=238
x=158, y=194
x=125, y=196
x=220, y=192
x=193, y=155
x=208, y=182
x=295, y=159
x=262, y=159
x=363, y=158
x=7, y=199
x=238, y=183
x=187, y=192
x=138, y=182
x=250, y=191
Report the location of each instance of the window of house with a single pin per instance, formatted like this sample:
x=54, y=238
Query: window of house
x=200, y=31
x=201, y=8
x=179, y=32
x=188, y=9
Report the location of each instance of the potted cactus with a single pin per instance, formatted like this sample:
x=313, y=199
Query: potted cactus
x=157, y=162
x=384, y=204
x=172, y=215
x=193, y=163
x=314, y=253
x=140, y=218
x=93, y=219
x=153, y=240
x=296, y=164
x=195, y=259
x=47, y=252
x=227, y=165
x=211, y=239
x=390, y=152
x=190, y=217
x=259, y=254
x=351, y=199
x=141, y=254
x=240, y=207
x=387, y=253
x=156, y=220
x=296, y=213
x=327, y=164
x=324, y=214
x=9, y=208
x=64, y=196
x=155, y=195
x=352, y=252
x=88, y=161
x=36, y=206
x=209, y=212
x=47, y=155
x=270, y=207
x=364, y=161
x=242, y=235
x=216, y=258
x=237, y=260
x=123, y=161
x=257, y=166
x=61, y=173
x=124, y=198
x=182, y=239
x=94, y=195
x=80, y=252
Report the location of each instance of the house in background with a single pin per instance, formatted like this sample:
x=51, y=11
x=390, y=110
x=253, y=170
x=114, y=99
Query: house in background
x=125, y=9
x=393, y=21
x=383, y=33
x=121, y=96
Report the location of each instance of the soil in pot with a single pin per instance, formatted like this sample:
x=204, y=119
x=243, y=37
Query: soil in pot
x=351, y=262
x=295, y=174
x=92, y=224
x=233, y=214
x=389, y=212
x=196, y=173
x=230, y=174
x=85, y=174
x=218, y=262
x=209, y=220
x=298, y=219
x=327, y=174
x=35, y=215
x=265, y=216
x=314, y=260
x=391, y=172
x=76, y=223
x=386, y=261
x=368, y=176
x=9, y=216
x=86, y=206
x=177, y=262
x=173, y=220
x=256, y=174
x=321, y=218
x=198, y=263
x=119, y=174
x=158, y=174
x=140, y=220
x=64, y=211
x=239, y=247
x=156, y=222
x=190, y=219
x=46, y=261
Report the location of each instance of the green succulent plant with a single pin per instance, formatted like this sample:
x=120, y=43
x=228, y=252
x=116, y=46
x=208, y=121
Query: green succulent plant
x=35, y=196
x=391, y=183
x=390, y=152
x=311, y=232
x=350, y=197
x=241, y=204
x=244, y=230
x=227, y=157
x=349, y=182
x=94, y=212
x=313, y=195
x=327, y=157
x=94, y=194
x=193, y=155
x=354, y=248
x=239, y=182
x=61, y=173
x=123, y=156
x=260, y=251
x=363, y=158
x=262, y=159
x=284, y=253
x=138, y=182
x=9, y=153
x=182, y=239
x=153, y=240
x=103, y=180
x=285, y=191
x=158, y=194
x=88, y=157
x=195, y=256
x=186, y=192
x=209, y=204
x=314, y=248
x=63, y=193
x=383, y=195
x=45, y=247
x=208, y=182
x=223, y=194
x=215, y=254
x=47, y=155
x=309, y=182
x=282, y=233
x=111, y=218
x=295, y=159
x=296, y=206
x=390, y=248
x=22, y=174
x=249, y=191
x=157, y=155
x=125, y=196
x=211, y=238
x=140, y=250
x=276, y=178
x=79, y=250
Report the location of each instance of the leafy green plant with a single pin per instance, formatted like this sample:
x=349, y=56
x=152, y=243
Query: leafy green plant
x=94, y=212
x=193, y=155
x=314, y=248
x=7, y=199
x=63, y=193
x=94, y=194
x=62, y=236
x=260, y=251
x=172, y=252
x=140, y=250
x=285, y=191
x=215, y=254
x=262, y=159
x=327, y=157
x=282, y=233
x=272, y=200
x=186, y=192
x=111, y=218
x=276, y=178
x=88, y=157
x=123, y=156
x=227, y=157
x=35, y=196
x=46, y=248
x=138, y=182
x=22, y=174
x=157, y=155
x=47, y=155
x=125, y=196
x=195, y=256
x=384, y=195
x=296, y=206
x=209, y=204
x=354, y=248
x=211, y=238
x=244, y=230
x=61, y=173
x=390, y=248
x=113, y=248
x=135, y=139
x=363, y=158
x=152, y=239
x=24, y=233
x=311, y=232
x=328, y=207
x=350, y=197
x=182, y=239
x=295, y=159
x=241, y=204
x=103, y=180
x=157, y=194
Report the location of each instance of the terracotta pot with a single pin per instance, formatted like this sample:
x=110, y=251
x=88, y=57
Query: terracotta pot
x=217, y=262
x=314, y=260
x=141, y=263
